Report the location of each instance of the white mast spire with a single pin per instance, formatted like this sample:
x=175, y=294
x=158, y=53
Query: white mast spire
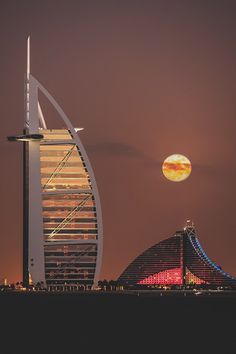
x=28, y=57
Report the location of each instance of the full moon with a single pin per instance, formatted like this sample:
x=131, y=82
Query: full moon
x=176, y=168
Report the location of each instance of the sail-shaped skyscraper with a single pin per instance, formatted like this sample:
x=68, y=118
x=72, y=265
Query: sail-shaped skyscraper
x=62, y=236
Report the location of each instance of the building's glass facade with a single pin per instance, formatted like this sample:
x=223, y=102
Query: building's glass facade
x=178, y=260
x=69, y=212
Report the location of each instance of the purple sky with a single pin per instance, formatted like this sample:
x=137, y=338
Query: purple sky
x=146, y=79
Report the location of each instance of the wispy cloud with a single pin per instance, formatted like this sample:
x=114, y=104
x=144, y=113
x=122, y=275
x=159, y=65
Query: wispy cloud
x=115, y=148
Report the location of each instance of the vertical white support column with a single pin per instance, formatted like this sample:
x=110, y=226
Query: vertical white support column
x=36, y=242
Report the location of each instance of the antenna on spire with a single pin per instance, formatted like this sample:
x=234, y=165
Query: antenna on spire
x=28, y=57
x=189, y=228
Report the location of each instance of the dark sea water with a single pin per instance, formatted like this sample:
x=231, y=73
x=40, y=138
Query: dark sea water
x=114, y=323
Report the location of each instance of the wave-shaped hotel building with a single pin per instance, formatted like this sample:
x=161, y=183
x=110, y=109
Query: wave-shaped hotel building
x=178, y=260
x=62, y=213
